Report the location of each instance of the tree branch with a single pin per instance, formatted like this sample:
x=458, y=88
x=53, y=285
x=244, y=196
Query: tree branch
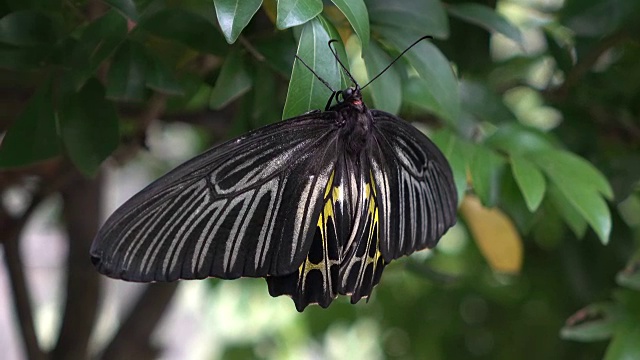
x=54, y=175
x=585, y=64
x=81, y=211
x=19, y=289
x=132, y=341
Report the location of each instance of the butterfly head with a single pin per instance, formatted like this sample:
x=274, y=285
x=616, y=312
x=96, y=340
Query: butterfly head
x=351, y=96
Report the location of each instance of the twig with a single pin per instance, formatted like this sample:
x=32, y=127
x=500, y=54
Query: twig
x=586, y=63
x=251, y=49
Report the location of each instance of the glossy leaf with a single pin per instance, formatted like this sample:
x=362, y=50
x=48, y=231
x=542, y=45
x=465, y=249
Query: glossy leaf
x=624, y=344
x=516, y=139
x=530, y=181
x=485, y=105
x=630, y=276
x=279, y=51
x=486, y=167
x=338, y=47
x=26, y=28
x=594, y=323
x=574, y=168
x=356, y=12
x=89, y=127
x=234, y=15
x=495, y=235
x=416, y=18
x=33, y=137
x=161, y=78
x=433, y=68
x=187, y=28
x=416, y=91
x=487, y=18
x=97, y=43
x=23, y=58
x=569, y=213
x=296, y=12
x=233, y=81
x=581, y=184
x=127, y=76
x=126, y=7
x=386, y=91
x=305, y=92
x=457, y=152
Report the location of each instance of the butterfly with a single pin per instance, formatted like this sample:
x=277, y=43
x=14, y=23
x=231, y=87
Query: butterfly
x=317, y=204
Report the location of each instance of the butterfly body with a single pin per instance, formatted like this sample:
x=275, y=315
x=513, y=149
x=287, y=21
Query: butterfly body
x=317, y=204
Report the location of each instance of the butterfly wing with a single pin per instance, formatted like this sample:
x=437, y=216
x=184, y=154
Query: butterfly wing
x=244, y=208
x=344, y=257
x=417, y=198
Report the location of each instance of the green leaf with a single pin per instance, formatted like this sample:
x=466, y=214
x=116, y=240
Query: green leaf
x=127, y=76
x=457, y=151
x=530, y=181
x=234, y=80
x=630, y=276
x=624, y=344
x=386, y=91
x=279, y=51
x=264, y=110
x=305, y=92
x=187, y=28
x=89, y=127
x=486, y=105
x=23, y=58
x=296, y=12
x=356, y=12
x=596, y=322
x=571, y=216
x=98, y=42
x=517, y=139
x=415, y=18
x=581, y=184
x=33, y=137
x=433, y=68
x=486, y=168
x=576, y=168
x=559, y=50
x=338, y=47
x=26, y=28
x=487, y=18
x=126, y=7
x=234, y=15
x=159, y=77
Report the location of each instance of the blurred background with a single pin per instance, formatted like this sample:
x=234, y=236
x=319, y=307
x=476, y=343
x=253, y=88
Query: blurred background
x=536, y=104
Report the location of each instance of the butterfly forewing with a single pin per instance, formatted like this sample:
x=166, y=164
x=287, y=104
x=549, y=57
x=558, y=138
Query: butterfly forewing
x=417, y=194
x=226, y=212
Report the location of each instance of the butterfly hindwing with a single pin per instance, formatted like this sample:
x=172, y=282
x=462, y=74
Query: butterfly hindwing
x=243, y=208
x=345, y=256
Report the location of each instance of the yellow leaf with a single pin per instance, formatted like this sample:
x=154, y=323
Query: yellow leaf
x=495, y=234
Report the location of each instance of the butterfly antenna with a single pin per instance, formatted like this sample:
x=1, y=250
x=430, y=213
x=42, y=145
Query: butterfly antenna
x=316, y=75
x=335, y=55
x=397, y=58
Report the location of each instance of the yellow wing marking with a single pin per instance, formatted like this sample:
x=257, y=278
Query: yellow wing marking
x=332, y=194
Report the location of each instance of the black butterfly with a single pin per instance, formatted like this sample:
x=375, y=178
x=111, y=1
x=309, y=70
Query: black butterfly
x=317, y=204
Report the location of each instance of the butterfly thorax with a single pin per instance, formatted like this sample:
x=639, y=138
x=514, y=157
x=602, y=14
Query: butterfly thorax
x=354, y=118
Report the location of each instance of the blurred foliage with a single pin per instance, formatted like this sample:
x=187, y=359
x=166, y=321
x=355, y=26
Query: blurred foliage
x=535, y=104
